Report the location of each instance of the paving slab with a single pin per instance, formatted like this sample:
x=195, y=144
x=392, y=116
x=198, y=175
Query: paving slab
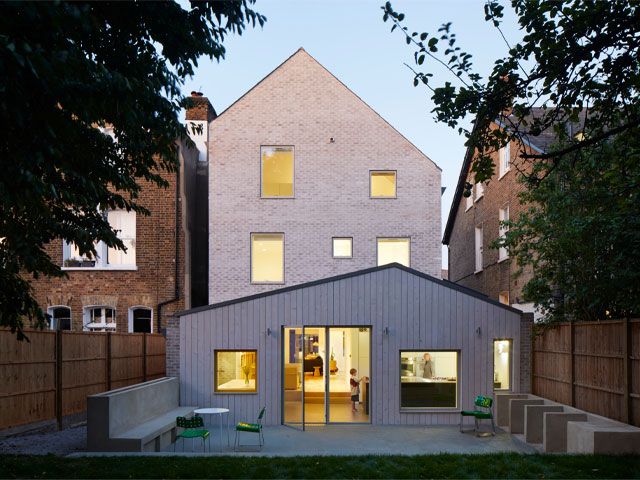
x=283, y=441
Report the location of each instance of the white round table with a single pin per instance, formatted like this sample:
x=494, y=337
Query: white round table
x=216, y=411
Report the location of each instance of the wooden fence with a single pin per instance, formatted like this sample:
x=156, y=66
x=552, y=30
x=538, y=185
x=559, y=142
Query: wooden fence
x=51, y=376
x=593, y=366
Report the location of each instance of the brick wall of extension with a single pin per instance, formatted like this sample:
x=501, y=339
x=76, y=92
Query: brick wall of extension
x=152, y=283
x=301, y=104
x=496, y=276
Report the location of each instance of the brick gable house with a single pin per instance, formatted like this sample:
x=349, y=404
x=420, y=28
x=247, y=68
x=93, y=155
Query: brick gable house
x=136, y=290
x=306, y=181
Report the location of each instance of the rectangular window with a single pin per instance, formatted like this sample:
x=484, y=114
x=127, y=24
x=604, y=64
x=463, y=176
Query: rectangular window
x=469, y=201
x=99, y=319
x=502, y=364
x=140, y=320
x=428, y=379
x=235, y=371
x=276, y=166
x=479, y=190
x=503, y=297
x=267, y=258
x=60, y=318
x=382, y=184
x=394, y=250
x=479, y=248
x=342, y=247
x=503, y=216
x=124, y=223
x=505, y=156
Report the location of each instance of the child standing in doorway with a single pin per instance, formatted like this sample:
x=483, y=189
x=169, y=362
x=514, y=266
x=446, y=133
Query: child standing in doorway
x=355, y=388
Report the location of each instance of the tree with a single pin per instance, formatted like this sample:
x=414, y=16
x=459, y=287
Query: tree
x=581, y=233
x=65, y=69
x=576, y=54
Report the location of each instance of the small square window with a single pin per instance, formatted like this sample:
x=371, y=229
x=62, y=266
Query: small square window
x=276, y=166
x=394, y=250
x=342, y=247
x=428, y=379
x=382, y=184
x=235, y=371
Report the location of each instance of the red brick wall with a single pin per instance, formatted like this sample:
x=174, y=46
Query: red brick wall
x=152, y=283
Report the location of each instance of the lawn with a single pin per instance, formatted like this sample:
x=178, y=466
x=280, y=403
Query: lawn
x=500, y=465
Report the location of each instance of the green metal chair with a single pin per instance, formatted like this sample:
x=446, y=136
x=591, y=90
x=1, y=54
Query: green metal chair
x=251, y=428
x=190, y=425
x=480, y=402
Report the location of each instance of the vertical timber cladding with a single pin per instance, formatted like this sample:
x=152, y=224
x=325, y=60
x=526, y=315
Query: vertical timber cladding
x=421, y=313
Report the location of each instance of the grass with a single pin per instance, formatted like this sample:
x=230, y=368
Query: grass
x=499, y=465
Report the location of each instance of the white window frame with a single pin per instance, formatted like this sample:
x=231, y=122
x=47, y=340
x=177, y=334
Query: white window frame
x=479, y=191
x=470, y=197
x=284, y=259
x=504, y=162
x=503, y=216
x=395, y=183
x=50, y=312
x=103, y=326
x=100, y=262
x=479, y=249
x=293, y=171
x=139, y=307
x=333, y=253
x=392, y=238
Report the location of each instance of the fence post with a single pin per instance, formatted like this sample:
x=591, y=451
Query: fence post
x=144, y=357
x=59, y=378
x=626, y=380
x=108, y=361
x=572, y=348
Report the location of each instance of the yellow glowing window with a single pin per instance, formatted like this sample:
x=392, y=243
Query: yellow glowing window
x=342, y=247
x=392, y=250
x=235, y=371
x=267, y=257
x=383, y=184
x=277, y=171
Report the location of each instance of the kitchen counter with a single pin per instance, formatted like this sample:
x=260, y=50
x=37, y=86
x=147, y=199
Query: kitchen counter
x=418, y=392
x=238, y=385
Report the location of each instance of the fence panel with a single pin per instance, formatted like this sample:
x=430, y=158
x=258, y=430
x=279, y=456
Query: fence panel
x=594, y=366
x=37, y=384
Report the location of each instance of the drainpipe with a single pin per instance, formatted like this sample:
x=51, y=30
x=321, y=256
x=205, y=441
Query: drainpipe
x=175, y=298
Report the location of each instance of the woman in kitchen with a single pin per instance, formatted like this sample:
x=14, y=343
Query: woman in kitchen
x=428, y=369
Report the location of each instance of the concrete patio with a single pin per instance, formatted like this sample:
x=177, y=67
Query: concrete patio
x=352, y=440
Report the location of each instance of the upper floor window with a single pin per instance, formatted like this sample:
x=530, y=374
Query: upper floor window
x=267, y=258
x=382, y=184
x=99, y=319
x=125, y=225
x=60, y=318
x=276, y=170
x=470, y=197
x=479, y=191
x=504, y=160
x=342, y=247
x=503, y=216
x=479, y=248
x=394, y=250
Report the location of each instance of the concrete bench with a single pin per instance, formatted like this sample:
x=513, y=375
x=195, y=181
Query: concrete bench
x=555, y=429
x=534, y=421
x=502, y=406
x=516, y=412
x=602, y=438
x=138, y=418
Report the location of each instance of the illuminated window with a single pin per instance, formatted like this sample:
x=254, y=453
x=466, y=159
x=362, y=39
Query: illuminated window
x=503, y=216
x=503, y=297
x=428, y=379
x=392, y=250
x=383, y=184
x=267, y=257
x=235, y=370
x=342, y=247
x=276, y=171
x=502, y=364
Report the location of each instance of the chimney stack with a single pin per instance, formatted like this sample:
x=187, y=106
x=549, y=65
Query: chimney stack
x=200, y=109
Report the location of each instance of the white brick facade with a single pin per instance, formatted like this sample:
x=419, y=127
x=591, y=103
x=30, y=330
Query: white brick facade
x=303, y=105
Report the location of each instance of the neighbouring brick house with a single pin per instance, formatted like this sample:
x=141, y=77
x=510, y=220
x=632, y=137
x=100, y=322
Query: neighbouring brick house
x=136, y=290
x=306, y=181
x=473, y=224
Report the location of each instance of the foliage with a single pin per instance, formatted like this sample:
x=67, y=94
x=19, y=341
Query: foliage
x=65, y=69
x=495, y=465
x=575, y=54
x=581, y=233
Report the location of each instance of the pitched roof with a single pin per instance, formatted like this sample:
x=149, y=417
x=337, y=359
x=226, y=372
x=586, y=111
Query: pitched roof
x=302, y=51
x=540, y=143
x=445, y=283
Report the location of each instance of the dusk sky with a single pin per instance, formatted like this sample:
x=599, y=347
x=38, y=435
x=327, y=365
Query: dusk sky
x=352, y=42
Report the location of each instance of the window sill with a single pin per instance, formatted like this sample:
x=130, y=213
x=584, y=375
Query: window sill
x=129, y=268
x=429, y=410
x=503, y=174
x=382, y=198
x=238, y=392
x=343, y=258
x=500, y=260
x=477, y=199
x=277, y=198
x=468, y=208
x=266, y=283
x=477, y=271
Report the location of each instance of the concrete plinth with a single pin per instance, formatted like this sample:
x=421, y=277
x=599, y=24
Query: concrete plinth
x=533, y=421
x=602, y=439
x=516, y=412
x=555, y=429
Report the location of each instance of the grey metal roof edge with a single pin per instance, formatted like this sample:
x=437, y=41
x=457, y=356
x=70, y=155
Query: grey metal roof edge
x=445, y=283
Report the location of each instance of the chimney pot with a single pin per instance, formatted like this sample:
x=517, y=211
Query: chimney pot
x=196, y=94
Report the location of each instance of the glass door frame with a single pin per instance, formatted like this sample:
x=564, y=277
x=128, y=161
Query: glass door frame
x=282, y=377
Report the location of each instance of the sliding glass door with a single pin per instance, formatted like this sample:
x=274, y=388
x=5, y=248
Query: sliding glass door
x=292, y=376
